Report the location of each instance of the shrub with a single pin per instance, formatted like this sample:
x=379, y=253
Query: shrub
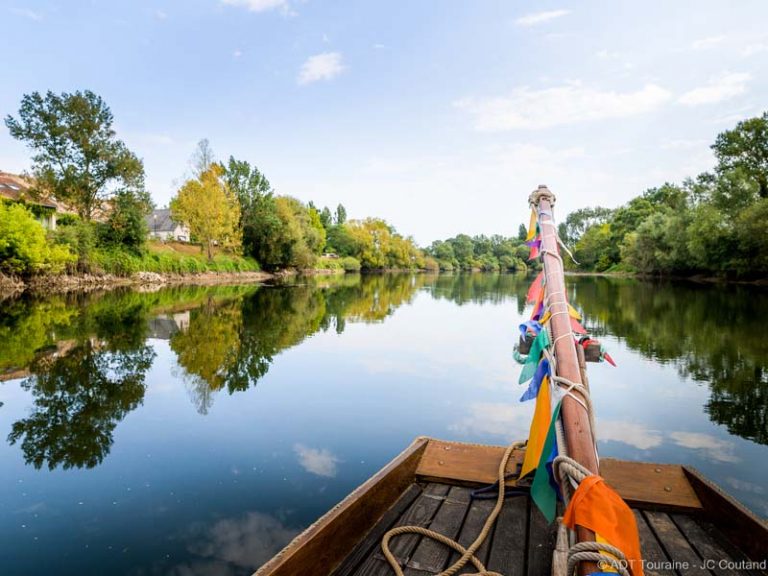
x=24, y=249
x=350, y=264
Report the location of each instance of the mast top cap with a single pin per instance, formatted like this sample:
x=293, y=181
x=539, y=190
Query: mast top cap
x=541, y=192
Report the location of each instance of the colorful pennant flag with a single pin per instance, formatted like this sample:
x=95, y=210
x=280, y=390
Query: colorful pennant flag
x=542, y=415
x=597, y=507
x=544, y=489
x=537, y=347
x=532, y=226
x=539, y=377
x=537, y=286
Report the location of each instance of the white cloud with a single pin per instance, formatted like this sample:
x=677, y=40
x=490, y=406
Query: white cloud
x=630, y=433
x=753, y=49
x=683, y=144
x=237, y=54
x=27, y=13
x=709, y=42
x=323, y=66
x=717, y=89
x=258, y=5
x=160, y=15
x=540, y=17
x=567, y=104
x=711, y=447
x=321, y=462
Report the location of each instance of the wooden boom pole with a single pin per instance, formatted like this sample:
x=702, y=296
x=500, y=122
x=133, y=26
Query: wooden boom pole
x=576, y=423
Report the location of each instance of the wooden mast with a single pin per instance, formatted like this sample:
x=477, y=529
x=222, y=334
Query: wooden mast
x=576, y=424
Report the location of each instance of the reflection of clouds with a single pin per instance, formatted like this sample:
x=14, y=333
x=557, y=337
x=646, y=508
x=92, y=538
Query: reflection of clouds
x=235, y=545
x=745, y=486
x=321, y=462
x=511, y=421
x=630, y=433
x=711, y=447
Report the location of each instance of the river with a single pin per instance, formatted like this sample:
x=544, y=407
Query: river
x=196, y=430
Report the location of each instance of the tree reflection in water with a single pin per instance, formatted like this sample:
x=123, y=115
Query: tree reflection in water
x=84, y=358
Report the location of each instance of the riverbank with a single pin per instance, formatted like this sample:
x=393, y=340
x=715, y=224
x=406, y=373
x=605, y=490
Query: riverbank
x=86, y=282
x=696, y=278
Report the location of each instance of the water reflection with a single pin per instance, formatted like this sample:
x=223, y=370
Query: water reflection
x=84, y=358
x=712, y=334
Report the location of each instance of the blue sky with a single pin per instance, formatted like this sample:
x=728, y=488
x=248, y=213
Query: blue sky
x=439, y=116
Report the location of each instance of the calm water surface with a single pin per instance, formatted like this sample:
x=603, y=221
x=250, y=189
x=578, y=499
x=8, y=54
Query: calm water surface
x=195, y=431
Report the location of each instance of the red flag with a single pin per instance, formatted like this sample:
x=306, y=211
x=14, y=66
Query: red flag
x=536, y=287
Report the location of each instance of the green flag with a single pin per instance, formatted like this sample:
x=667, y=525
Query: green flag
x=531, y=363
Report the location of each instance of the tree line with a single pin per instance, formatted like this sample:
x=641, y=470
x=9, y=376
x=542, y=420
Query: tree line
x=713, y=224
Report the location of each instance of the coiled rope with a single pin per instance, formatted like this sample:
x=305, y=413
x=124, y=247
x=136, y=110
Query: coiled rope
x=467, y=554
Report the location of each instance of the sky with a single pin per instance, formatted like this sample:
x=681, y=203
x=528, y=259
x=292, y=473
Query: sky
x=439, y=116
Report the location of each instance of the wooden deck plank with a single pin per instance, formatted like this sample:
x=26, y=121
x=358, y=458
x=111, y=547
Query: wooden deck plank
x=656, y=560
x=459, y=462
x=372, y=540
x=478, y=513
x=685, y=559
x=420, y=513
x=705, y=545
x=508, y=548
x=541, y=542
x=431, y=556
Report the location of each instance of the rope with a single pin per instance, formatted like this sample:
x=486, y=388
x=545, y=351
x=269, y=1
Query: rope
x=467, y=554
x=595, y=552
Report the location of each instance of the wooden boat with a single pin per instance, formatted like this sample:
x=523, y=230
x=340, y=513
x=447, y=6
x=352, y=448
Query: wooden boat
x=685, y=523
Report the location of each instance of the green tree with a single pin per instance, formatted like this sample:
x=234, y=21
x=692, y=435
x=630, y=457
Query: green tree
x=746, y=148
x=77, y=157
x=210, y=209
x=126, y=225
x=255, y=196
x=341, y=214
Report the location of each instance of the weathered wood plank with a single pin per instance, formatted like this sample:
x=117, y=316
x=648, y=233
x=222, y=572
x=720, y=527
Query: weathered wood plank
x=656, y=561
x=478, y=513
x=325, y=544
x=430, y=556
x=372, y=540
x=420, y=513
x=706, y=546
x=541, y=542
x=730, y=549
x=648, y=485
x=641, y=484
x=685, y=559
x=508, y=553
x=460, y=462
x=732, y=518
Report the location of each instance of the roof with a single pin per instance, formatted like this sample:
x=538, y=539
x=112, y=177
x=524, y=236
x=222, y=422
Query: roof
x=19, y=189
x=160, y=221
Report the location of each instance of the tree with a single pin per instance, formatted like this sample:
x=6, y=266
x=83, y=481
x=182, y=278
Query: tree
x=210, y=209
x=202, y=158
x=326, y=218
x=254, y=194
x=126, y=224
x=341, y=214
x=77, y=157
x=746, y=147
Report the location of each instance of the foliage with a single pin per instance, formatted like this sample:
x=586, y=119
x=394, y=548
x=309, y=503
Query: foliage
x=210, y=209
x=746, y=148
x=713, y=224
x=487, y=253
x=24, y=249
x=126, y=225
x=77, y=157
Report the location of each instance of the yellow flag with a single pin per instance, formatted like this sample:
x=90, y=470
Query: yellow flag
x=531, y=227
x=542, y=416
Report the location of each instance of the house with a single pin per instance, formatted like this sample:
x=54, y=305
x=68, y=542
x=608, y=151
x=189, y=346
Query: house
x=15, y=188
x=163, y=227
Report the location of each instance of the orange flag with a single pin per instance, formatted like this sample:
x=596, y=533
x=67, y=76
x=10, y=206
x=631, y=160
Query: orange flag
x=597, y=507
